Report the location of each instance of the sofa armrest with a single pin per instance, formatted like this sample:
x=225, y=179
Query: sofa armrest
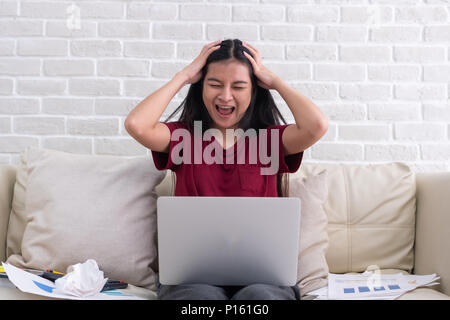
x=432, y=242
x=7, y=180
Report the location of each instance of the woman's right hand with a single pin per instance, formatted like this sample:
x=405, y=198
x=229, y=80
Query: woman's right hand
x=193, y=72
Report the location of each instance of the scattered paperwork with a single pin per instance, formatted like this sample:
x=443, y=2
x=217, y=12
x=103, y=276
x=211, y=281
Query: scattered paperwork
x=371, y=286
x=31, y=283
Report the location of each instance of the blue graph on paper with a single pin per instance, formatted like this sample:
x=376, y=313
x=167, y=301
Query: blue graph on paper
x=394, y=287
x=44, y=287
x=364, y=289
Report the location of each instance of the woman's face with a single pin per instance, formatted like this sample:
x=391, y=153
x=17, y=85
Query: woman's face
x=227, y=90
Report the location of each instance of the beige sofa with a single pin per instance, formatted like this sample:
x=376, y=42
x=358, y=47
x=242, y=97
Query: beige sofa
x=368, y=224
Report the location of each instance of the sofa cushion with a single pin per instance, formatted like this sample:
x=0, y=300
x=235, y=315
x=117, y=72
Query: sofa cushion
x=69, y=208
x=424, y=294
x=313, y=243
x=7, y=181
x=371, y=215
x=167, y=185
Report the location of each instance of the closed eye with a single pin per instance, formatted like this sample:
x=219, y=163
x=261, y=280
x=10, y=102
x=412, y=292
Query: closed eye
x=216, y=86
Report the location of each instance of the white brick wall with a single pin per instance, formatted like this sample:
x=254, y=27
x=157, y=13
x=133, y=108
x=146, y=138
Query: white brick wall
x=70, y=71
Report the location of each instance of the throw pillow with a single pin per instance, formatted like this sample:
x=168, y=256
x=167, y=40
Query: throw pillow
x=371, y=210
x=79, y=207
x=313, y=243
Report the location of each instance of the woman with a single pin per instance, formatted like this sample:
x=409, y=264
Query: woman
x=229, y=90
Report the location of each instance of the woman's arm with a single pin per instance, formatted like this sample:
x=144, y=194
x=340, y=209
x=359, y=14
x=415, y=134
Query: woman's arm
x=310, y=123
x=147, y=113
x=142, y=123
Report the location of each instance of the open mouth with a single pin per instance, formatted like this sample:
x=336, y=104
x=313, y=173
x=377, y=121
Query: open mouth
x=225, y=110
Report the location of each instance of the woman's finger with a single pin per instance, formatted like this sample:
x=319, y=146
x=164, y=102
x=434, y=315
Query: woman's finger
x=208, y=50
x=249, y=57
x=251, y=51
x=251, y=48
x=217, y=45
x=252, y=61
x=248, y=47
x=213, y=44
x=206, y=47
x=254, y=51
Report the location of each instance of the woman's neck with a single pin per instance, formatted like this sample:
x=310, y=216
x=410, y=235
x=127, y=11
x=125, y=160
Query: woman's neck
x=228, y=137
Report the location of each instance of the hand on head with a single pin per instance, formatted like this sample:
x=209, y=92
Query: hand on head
x=193, y=71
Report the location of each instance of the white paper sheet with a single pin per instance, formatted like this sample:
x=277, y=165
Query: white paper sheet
x=371, y=286
x=31, y=283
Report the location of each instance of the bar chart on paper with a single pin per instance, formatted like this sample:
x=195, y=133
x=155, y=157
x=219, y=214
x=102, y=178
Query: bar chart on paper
x=369, y=285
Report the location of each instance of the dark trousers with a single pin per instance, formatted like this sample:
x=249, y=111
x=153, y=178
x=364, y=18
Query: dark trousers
x=209, y=292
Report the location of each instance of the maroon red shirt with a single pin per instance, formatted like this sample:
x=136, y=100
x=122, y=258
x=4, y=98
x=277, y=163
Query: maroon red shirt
x=227, y=179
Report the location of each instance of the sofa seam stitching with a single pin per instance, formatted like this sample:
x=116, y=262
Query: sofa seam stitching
x=349, y=247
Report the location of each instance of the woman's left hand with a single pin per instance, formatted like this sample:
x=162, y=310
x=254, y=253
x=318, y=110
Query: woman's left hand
x=266, y=78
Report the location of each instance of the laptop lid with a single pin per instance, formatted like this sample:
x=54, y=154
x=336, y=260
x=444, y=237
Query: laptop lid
x=228, y=240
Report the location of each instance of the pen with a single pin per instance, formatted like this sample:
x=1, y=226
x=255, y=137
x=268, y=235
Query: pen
x=60, y=273
x=52, y=275
x=53, y=271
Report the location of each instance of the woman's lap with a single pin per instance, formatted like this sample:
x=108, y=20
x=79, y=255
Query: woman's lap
x=209, y=292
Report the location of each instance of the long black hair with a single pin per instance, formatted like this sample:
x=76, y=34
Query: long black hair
x=261, y=113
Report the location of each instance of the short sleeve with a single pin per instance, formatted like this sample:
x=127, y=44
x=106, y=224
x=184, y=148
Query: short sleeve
x=287, y=163
x=161, y=159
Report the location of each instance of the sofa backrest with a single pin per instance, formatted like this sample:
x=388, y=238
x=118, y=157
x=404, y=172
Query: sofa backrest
x=371, y=214
x=370, y=209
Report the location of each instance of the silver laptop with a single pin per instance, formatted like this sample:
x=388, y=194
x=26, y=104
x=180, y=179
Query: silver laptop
x=228, y=241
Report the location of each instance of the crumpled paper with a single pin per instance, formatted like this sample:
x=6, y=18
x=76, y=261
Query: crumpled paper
x=82, y=280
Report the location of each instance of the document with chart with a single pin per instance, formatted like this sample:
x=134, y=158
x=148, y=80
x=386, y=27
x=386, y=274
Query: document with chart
x=374, y=285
